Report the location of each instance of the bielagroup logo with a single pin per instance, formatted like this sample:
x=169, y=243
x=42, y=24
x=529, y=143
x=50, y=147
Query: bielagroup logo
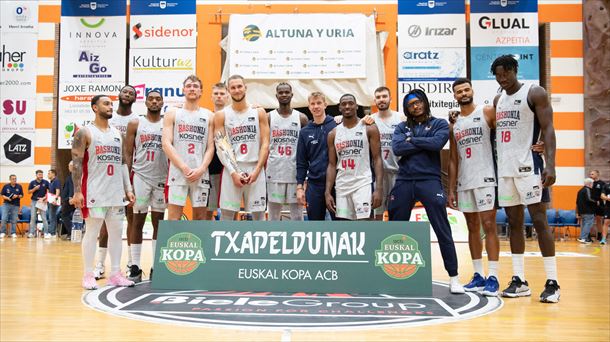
x=252, y=33
x=183, y=254
x=399, y=256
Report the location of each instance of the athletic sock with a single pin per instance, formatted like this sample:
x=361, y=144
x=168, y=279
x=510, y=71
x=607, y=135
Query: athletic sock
x=101, y=255
x=296, y=212
x=136, y=252
x=518, y=266
x=493, y=268
x=275, y=211
x=477, y=264
x=550, y=267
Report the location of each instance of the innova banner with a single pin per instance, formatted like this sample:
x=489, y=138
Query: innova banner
x=312, y=257
x=298, y=46
x=431, y=50
x=163, y=24
x=92, y=60
x=500, y=28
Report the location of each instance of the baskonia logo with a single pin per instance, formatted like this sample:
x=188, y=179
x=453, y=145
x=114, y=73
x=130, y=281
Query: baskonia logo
x=252, y=33
x=183, y=254
x=399, y=256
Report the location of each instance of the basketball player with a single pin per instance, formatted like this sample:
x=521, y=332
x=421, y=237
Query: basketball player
x=471, y=168
x=285, y=124
x=351, y=147
x=312, y=158
x=248, y=132
x=386, y=121
x=606, y=197
x=220, y=98
x=101, y=182
x=523, y=113
x=596, y=192
x=119, y=120
x=418, y=142
x=188, y=144
x=148, y=165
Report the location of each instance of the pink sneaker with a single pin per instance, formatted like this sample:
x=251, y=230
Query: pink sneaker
x=89, y=281
x=118, y=279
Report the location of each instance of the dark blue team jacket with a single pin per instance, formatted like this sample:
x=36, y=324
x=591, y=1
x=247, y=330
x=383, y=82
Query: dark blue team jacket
x=420, y=158
x=312, y=151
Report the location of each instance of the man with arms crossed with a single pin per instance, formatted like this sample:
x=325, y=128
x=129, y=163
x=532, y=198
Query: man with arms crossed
x=351, y=147
x=523, y=113
x=471, y=168
x=312, y=158
x=284, y=125
x=148, y=164
x=248, y=132
x=188, y=143
x=101, y=182
x=386, y=121
x=119, y=120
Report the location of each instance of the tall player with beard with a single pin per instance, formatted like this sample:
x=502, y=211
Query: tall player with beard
x=285, y=124
x=148, y=165
x=119, y=120
x=471, y=169
x=101, y=182
x=523, y=114
x=188, y=143
x=248, y=132
x=386, y=121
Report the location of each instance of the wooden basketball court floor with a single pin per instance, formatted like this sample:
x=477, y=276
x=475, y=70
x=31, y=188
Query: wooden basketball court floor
x=41, y=300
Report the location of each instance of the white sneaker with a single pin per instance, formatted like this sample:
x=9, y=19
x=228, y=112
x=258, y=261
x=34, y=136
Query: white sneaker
x=455, y=287
x=30, y=235
x=14, y=236
x=98, y=271
x=47, y=236
x=2, y=235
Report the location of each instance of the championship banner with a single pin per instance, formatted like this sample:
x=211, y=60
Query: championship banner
x=278, y=256
x=500, y=28
x=431, y=50
x=163, y=70
x=163, y=24
x=298, y=46
x=91, y=62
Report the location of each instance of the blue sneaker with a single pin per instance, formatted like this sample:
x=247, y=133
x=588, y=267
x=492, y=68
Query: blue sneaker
x=491, y=287
x=476, y=284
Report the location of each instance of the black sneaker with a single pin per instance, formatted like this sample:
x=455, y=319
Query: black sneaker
x=551, y=292
x=599, y=236
x=135, y=274
x=517, y=288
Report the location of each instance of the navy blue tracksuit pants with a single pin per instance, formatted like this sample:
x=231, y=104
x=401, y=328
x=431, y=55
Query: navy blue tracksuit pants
x=430, y=193
x=316, y=202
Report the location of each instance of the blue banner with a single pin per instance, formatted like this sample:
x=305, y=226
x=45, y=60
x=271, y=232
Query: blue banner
x=84, y=8
x=482, y=57
x=431, y=7
x=503, y=6
x=154, y=7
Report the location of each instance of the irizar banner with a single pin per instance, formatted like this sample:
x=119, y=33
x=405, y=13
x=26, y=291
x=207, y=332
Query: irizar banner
x=286, y=256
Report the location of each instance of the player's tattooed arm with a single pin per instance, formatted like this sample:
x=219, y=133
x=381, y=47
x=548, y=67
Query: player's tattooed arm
x=79, y=146
x=129, y=142
x=331, y=172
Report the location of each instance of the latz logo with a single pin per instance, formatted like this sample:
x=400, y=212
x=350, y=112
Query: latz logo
x=415, y=31
x=502, y=23
x=11, y=60
x=420, y=55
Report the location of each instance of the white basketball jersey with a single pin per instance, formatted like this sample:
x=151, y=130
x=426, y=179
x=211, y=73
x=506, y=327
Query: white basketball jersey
x=386, y=130
x=243, y=130
x=102, y=183
x=516, y=130
x=150, y=162
x=473, y=140
x=190, y=141
x=353, y=158
x=284, y=135
x=120, y=121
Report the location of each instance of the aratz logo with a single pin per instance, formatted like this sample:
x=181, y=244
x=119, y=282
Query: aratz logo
x=399, y=256
x=420, y=55
x=183, y=254
x=252, y=33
